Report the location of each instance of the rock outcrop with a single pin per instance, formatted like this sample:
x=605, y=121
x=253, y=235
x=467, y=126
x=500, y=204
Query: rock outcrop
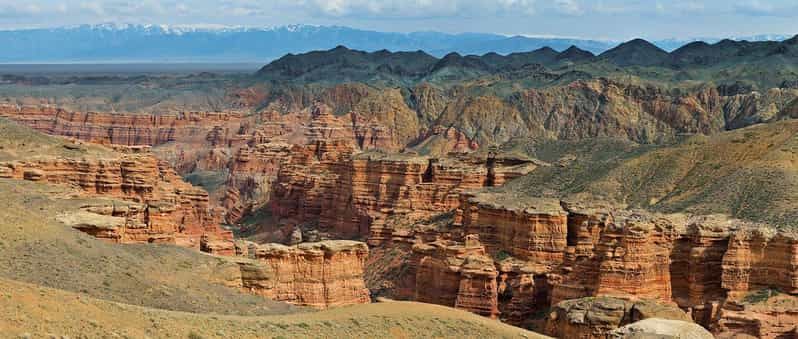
x=459, y=276
x=597, y=317
x=761, y=314
x=529, y=229
x=319, y=275
x=160, y=206
x=759, y=258
x=187, y=128
x=542, y=252
x=661, y=328
x=353, y=193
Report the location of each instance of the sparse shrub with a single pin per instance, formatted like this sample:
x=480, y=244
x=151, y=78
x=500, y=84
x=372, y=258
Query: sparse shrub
x=194, y=335
x=501, y=255
x=760, y=295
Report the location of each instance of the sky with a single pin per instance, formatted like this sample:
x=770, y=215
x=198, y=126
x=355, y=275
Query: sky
x=593, y=19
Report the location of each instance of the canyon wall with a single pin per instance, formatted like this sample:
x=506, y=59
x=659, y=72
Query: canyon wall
x=545, y=252
x=161, y=206
x=187, y=128
x=319, y=275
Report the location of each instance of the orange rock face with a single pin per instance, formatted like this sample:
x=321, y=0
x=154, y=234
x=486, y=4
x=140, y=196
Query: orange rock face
x=631, y=257
x=774, y=317
x=127, y=129
x=459, y=276
x=163, y=207
x=318, y=275
x=760, y=258
x=530, y=230
x=353, y=193
x=546, y=251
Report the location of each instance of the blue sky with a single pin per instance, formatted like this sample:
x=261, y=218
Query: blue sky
x=601, y=19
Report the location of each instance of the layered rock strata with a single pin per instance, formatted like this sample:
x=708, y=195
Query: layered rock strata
x=128, y=129
x=459, y=276
x=545, y=252
x=359, y=194
x=161, y=206
x=762, y=314
x=319, y=275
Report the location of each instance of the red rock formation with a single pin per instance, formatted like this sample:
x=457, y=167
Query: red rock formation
x=459, y=276
x=774, y=317
x=631, y=258
x=319, y=275
x=354, y=195
x=524, y=290
x=252, y=171
x=759, y=258
x=129, y=129
x=163, y=207
x=696, y=266
x=530, y=229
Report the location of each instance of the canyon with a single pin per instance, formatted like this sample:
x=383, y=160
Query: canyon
x=461, y=241
x=587, y=208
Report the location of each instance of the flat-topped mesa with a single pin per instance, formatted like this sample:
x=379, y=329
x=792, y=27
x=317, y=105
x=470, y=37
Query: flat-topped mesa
x=319, y=275
x=760, y=257
x=163, y=208
x=533, y=229
x=454, y=275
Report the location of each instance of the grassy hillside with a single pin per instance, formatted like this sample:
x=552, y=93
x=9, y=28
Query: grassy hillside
x=36, y=248
x=39, y=311
x=750, y=173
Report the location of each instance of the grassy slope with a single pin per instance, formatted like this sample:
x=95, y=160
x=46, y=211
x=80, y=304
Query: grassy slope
x=751, y=173
x=22, y=143
x=40, y=311
x=35, y=247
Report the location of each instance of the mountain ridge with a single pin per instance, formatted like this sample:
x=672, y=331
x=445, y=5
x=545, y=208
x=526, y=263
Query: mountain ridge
x=216, y=43
x=343, y=64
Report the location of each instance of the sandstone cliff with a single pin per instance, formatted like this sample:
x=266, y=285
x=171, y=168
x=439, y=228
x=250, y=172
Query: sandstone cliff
x=160, y=206
x=319, y=275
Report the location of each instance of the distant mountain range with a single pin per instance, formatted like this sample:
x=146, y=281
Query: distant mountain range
x=744, y=63
x=157, y=43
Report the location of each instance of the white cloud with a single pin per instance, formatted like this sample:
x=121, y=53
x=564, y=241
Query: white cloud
x=569, y=7
x=595, y=17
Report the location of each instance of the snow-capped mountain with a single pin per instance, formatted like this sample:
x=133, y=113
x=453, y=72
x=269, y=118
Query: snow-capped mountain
x=113, y=42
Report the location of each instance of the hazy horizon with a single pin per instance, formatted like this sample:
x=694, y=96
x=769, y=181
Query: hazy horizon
x=614, y=20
